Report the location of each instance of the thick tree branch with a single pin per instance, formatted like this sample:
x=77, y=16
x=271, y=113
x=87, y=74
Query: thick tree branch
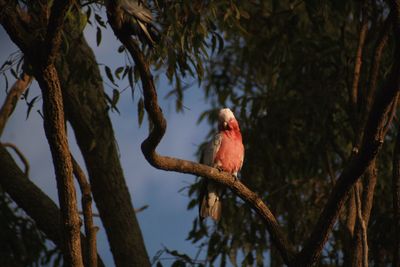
x=375, y=65
x=11, y=100
x=183, y=166
x=9, y=18
x=32, y=200
x=54, y=126
x=86, y=110
x=54, y=29
x=90, y=229
x=371, y=144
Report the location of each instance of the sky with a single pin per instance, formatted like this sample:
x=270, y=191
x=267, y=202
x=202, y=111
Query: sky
x=148, y=186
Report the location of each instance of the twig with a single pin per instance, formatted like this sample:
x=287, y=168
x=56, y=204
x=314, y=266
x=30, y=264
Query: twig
x=362, y=224
x=396, y=201
x=16, y=91
x=136, y=211
x=358, y=61
x=20, y=155
x=90, y=229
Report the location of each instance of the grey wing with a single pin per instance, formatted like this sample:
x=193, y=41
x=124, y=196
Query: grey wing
x=211, y=150
x=137, y=10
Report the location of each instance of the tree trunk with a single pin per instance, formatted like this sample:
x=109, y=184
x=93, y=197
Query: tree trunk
x=86, y=110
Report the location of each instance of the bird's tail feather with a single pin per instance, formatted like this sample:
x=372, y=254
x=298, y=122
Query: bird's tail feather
x=211, y=207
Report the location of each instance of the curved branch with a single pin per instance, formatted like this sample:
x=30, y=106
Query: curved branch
x=20, y=155
x=11, y=100
x=150, y=144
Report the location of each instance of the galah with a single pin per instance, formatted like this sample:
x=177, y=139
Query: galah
x=225, y=152
x=137, y=19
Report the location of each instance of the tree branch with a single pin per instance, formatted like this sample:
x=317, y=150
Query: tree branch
x=9, y=18
x=183, y=166
x=54, y=29
x=361, y=221
x=396, y=201
x=358, y=62
x=90, y=229
x=11, y=100
x=86, y=110
x=54, y=127
x=32, y=200
x=20, y=155
x=371, y=144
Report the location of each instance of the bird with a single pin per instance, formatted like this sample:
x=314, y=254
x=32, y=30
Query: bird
x=137, y=19
x=225, y=152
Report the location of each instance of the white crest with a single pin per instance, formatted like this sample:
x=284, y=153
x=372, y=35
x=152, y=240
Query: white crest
x=225, y=115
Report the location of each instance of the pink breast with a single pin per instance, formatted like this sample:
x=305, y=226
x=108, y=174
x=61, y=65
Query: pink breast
x=230, y=154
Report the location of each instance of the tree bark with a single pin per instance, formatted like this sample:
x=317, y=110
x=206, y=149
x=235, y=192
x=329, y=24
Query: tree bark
x=54, y=127
x=86, y=110
x=12, y=98
x=90, y=229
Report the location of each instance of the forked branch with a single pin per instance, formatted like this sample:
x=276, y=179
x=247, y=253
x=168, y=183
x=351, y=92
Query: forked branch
x=183, y=166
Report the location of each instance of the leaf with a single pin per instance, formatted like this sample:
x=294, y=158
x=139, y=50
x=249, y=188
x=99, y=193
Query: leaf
x=6, y=63
x=178, y=263
x=109, y=74
x=88, y=14
x=244, y=14
x=220, y=43
x=100, y=20
x=30, y=106
x=14, y=73
x=127, y=68
x=121, y=49
x=140, y=109
x=98, y=36
x=130, y=78
x=118, y=72
x=6, y=80
x=115, y=98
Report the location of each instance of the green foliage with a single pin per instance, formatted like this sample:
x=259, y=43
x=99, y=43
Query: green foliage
x=286, y=71
x=21, y=243
x=285, y=68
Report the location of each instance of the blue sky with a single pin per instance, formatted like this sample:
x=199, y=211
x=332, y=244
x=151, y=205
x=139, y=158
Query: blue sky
x=166, y=222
